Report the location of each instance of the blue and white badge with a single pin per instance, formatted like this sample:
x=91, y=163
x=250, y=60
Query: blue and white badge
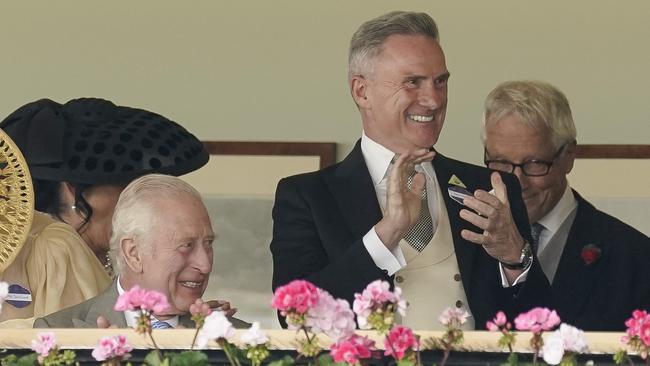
x=458, y=194
x=18, y=296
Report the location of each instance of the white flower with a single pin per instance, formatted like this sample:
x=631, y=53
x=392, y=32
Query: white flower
x=254, y=336
x=4, y=291
x=553, y=350
x=216, y=326
x=574, y=338
x=567, y=338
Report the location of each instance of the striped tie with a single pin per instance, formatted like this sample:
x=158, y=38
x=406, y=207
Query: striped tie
x=159, y=324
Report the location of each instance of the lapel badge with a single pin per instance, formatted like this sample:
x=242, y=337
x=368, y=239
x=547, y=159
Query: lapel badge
x=457, y=189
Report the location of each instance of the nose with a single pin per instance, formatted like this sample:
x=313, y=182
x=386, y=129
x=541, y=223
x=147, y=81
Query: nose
x=519, y=173
x=202, y=258
x=431, y=96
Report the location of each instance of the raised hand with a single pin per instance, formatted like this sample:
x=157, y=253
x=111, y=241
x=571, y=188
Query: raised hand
x=500, y=237
x=402, y=204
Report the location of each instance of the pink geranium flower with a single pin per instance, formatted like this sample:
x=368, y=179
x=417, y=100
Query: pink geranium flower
x=138, y=298
x=499, y=322
x=330, y=316
x=44, y=344
x=377, y=297
x=352, y=349
x=453, y=317
x=296, y=297
x=399, y=341
x=112, y=348
x=537, y=320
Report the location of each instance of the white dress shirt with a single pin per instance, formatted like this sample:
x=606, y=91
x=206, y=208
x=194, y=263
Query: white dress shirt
x=131, y=317
x=378, y=160
x=554, y=218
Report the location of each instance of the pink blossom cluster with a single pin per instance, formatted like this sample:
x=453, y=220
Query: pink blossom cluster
x=296, y=297
x=44, y=344
x=537, y=320
x=330, y=316
x=498, y=323
x=138, y=298
x=377, y=296
x=565, y=339
x=112, y=348
x=352, y=349
x=399, y=341
x=638, y=326
x=453, y=317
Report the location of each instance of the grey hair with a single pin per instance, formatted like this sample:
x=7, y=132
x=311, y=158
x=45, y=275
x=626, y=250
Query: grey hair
x=538, y=104
x=134, y=213
x=366, y=42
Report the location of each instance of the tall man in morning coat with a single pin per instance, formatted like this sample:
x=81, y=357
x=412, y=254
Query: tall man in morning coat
x=369, y=218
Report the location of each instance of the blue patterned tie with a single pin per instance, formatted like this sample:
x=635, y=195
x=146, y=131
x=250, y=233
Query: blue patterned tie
x=159, y=324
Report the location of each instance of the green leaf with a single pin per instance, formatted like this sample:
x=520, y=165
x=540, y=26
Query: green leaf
x=285, y=361
x=188, y=358
x=405, y=362
x=13, y=360
x=153, y=359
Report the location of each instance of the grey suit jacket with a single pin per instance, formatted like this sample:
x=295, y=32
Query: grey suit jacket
x=85, y=315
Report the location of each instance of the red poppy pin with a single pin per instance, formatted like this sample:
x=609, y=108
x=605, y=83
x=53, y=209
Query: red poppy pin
x=590, y=254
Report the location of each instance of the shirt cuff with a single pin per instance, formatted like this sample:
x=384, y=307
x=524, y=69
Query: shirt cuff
x=387, y=260
x=521, y=278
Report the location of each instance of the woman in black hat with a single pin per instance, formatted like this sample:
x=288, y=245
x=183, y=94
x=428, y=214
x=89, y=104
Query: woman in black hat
x=81, y=155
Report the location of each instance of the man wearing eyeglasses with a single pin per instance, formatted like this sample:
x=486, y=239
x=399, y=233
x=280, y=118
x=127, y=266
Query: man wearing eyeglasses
x=597, y=265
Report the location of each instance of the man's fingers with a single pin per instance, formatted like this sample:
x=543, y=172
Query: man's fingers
x=473, y=237
x=478, y=221
x=500, y=190
x=103, y=323
x=479, y=206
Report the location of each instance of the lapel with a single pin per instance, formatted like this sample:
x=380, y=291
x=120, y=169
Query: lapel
x=186, y=321
x=465, y=251
x=575, y=280
x=353, y=191
x=104, y=306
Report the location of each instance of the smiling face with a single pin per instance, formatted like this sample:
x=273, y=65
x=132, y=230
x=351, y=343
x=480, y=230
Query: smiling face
x=180, y=258
x=511, y=139
x=403, y=97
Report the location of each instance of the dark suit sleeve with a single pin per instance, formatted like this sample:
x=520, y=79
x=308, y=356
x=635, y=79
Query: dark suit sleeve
x=302, y=224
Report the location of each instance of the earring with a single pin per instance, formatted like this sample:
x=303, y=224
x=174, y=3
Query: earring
x=73, y=208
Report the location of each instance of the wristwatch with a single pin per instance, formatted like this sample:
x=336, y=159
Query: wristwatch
x=525, y=259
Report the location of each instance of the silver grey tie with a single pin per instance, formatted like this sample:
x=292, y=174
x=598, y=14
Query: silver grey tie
x=420, y=234
x=536, y=231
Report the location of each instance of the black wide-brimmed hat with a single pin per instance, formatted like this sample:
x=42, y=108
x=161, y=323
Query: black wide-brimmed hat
x=93, y=141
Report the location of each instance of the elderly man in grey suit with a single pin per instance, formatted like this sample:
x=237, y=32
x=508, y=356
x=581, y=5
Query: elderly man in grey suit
x=162, y=240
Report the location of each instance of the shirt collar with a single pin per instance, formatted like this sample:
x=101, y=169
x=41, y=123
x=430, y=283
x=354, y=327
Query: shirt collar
x=554, y=218
x=377, y=158
x=131, y=317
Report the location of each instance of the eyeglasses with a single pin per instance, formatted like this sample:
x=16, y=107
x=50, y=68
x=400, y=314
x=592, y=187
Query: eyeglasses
x=530, y=168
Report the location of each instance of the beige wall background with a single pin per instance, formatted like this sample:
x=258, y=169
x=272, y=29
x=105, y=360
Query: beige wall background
x=276, y=70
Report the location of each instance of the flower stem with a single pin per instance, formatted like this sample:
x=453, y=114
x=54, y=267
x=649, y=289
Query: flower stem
x=155, y=345
x=196, y=334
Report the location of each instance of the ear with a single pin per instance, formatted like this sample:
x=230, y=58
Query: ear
x=130, y=251
x=570, y=155
x=359, y=91
x=67, y=192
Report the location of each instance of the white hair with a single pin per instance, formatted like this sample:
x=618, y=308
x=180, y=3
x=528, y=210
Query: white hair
x=135, y=212
x=537, y=104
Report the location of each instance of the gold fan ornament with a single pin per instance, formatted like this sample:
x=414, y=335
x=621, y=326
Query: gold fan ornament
x=16, y=201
